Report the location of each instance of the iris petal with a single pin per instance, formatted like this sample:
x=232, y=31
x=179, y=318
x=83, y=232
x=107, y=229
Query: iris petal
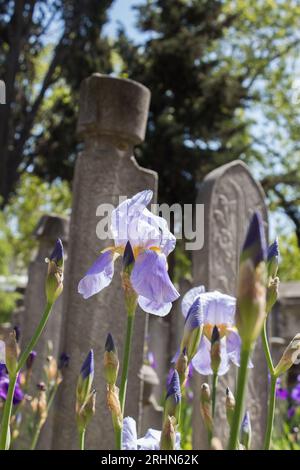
x=190, y=297
x=156, y=308
x=126, y=213
x=129, y=434
x=98, y=276
x=150, y=278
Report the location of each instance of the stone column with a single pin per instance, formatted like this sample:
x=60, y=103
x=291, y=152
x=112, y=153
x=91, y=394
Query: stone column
x=230, y=195
x=112, y=120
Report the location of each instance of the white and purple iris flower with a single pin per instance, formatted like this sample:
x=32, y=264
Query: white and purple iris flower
x=213, y=309
x=151, y=243
x=151, y=440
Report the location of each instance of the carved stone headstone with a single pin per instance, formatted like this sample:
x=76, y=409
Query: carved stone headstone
x=285, y=318
x=112, y=119
x=230, y=195
x=49, y=228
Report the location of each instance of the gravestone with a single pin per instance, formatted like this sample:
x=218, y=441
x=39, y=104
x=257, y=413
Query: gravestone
x=230, y=195
x=49, y=228
x=285, y=317
x=112, y=120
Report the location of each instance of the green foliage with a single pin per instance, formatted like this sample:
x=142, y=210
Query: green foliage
x=289, y=259
x=33, y=198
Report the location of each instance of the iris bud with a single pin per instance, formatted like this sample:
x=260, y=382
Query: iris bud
x=272, y=293
x=206, y=407
x=273, y=259
x=215, y=351
x=246, y=432
x=182, y=367
x=11, y=353
x=111, y=361
x=289, y=357
x=173, y=398
x=85, y=380
x=252, y=281
x=129, y=292
x=230, y=405
x=54, y=279
x=168, y=434
x=193, y=328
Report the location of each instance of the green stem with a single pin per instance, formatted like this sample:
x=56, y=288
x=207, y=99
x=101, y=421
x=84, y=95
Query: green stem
x=125, y=368
x=240, y=398
x=126, y=358
x=267, y=349
x=5, y=426
x=118, y=433
x=81, y=438
x=271, y=412
x=214, y=393
x=35, y=337
x=35, y=437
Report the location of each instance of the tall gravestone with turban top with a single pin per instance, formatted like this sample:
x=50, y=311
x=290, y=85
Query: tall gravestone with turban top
x=112, y=120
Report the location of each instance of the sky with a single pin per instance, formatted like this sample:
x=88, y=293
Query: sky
x=122, y=11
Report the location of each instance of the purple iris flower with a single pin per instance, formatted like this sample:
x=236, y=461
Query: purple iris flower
x=151, y=243
x=295, y=394
x=291, y=412
x=281, y=393
x=151, y=440
x=216, y=310
x=4, y=383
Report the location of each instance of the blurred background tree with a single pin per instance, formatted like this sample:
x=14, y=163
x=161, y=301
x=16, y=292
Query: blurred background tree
x=223, y=77
x=47, y=48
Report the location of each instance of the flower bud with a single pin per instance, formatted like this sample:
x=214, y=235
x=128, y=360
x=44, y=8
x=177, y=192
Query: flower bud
x=130, y=294
x=182, y=367
x=111, y=361
x=215, y=351
x=113, y=403
x=206, y=407
x=273, y=259
x=30, y=360
x=230, y=405
x=85, y=380
x=51, y=369
x=54, y=279
x=193, y=328
x=272, y=293
x=168, y=434
x=246, y=433
x=11, y=353
x=173, y=398
x=252, y=280
x=87, y=411
x=289, y=357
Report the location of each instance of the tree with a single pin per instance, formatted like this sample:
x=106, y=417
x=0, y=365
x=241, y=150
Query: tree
x=220, y=75
x=37, y=125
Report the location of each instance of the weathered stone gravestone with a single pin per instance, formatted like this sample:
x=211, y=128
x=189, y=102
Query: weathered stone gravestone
x=112, y=119
x=49, y=228
x=230, y=195
x=285, y=317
